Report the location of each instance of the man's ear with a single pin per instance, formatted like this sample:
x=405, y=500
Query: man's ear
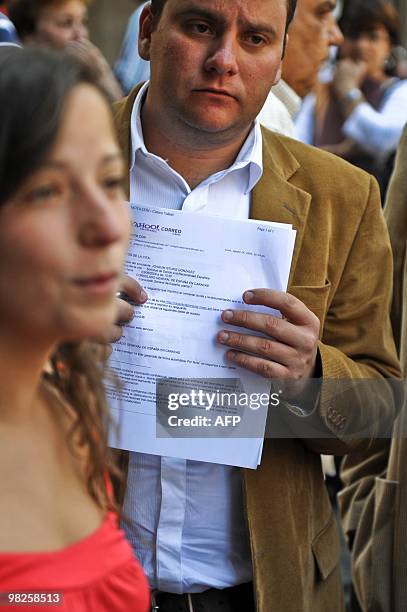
x=286, y=39
x=278, y=74
x=146, y=27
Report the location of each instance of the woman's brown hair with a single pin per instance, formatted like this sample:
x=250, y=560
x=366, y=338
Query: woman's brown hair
x=366, y=15
x=34, y=86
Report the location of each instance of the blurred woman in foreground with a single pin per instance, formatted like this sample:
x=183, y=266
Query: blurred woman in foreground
x=64, y=230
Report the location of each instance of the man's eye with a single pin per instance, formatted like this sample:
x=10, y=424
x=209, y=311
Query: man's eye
x=256, y=40
x=200, y=28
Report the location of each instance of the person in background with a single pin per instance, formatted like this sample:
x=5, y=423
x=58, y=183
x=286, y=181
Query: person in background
x=64, y=231
x=62, y=24
x=374, y=500
x=8, y=34
x=360, y=115
x=312, y=34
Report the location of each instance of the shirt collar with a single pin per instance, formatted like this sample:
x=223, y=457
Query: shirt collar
x=288, y=97
x=137, y=138
x=250, y=155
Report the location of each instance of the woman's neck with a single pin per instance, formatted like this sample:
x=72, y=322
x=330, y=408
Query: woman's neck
x=22, y=364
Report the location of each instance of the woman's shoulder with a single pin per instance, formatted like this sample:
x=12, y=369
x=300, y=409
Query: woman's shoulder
x=100, y=568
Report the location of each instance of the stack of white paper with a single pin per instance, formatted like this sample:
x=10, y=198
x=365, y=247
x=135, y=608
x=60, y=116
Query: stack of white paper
x=193, y=267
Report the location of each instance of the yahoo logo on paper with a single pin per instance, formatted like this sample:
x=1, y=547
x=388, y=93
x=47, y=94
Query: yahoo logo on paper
x=147, y=227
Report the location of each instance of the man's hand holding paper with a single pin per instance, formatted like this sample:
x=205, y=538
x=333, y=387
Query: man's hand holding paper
x=288, y=347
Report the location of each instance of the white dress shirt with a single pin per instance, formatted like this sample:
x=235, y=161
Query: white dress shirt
x=288, y=97
x=275, y=117
x=188, y=526
x=378, y=131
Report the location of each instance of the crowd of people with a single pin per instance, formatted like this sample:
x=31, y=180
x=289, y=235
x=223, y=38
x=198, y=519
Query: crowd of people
x=360, y=112
x=222, y=102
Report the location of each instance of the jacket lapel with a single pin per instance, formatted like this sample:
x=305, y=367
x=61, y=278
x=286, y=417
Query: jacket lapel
x=122, y=117
x=274, y=197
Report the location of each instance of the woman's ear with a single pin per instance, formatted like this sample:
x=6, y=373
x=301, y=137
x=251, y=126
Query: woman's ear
x=146, y=29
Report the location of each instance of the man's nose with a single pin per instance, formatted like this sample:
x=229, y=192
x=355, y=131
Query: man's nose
x=335, y=35
x=100, y=221
x=222, y=59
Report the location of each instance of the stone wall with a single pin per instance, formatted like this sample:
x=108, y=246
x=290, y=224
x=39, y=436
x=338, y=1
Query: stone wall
x=402, y=7
x=107, y=24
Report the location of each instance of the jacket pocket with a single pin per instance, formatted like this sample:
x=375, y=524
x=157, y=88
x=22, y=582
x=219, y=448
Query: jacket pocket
x=326, y=548
x=316, y=298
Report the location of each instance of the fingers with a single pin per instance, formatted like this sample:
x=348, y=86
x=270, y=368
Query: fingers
x=113, y=333
x=124, y=312
x=130, y=290
x=288, y=348
x=263, y=347
x=290, y=307
x=77, y=48
x=271, y=326
x=133, y=290
x=81, y=45
x=296, y=361
x=298, y=329
x=266, y=369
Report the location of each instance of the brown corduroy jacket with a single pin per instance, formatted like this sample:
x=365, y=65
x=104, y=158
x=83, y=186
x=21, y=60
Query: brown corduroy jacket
x=374, y=501
x=342, y=271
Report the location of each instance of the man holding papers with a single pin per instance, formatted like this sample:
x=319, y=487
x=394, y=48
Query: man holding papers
x=205, y=532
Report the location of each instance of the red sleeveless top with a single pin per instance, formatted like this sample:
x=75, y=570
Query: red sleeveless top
x=97, y=574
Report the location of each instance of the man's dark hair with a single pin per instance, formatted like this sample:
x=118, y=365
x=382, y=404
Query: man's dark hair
x=158, y=5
